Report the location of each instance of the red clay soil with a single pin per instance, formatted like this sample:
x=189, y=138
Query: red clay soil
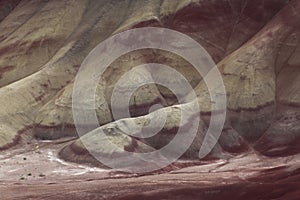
x=35, y=172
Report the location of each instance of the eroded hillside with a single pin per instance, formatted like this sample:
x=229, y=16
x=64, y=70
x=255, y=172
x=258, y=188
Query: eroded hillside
x=255, y=45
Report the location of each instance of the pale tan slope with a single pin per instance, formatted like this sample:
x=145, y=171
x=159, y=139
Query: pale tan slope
x=137, y=13
x=35, y=42
x=150, y=12
x=44, y=43
x=15, y=98
x=32, y=92
x=58, y=112
x=22, y=100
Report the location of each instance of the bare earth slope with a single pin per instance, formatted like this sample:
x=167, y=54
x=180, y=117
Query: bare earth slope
x=256, y=47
